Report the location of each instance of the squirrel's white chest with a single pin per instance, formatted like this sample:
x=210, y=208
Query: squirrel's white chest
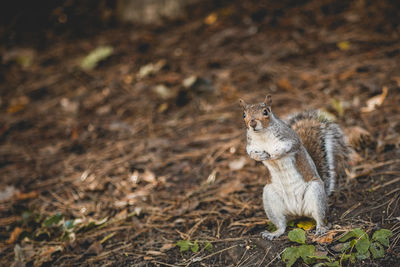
x=265, y=142
x=289, y=184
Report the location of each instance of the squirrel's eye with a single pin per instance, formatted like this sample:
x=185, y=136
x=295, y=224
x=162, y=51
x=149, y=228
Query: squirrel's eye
x=244, y=115
x=265, y=112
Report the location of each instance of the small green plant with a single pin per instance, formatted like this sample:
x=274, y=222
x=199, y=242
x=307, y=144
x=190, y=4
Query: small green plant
x=357, y=246
x=363, y=245
x=185, y=245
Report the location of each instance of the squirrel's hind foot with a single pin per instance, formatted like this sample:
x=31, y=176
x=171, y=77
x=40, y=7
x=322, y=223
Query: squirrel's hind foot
x=321, y=230
x=269, y=236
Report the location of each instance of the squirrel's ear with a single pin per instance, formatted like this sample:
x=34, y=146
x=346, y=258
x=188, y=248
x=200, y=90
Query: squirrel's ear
x=242, y=103
x=268, y=100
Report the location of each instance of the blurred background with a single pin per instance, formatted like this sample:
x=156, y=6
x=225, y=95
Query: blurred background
x=120, y=131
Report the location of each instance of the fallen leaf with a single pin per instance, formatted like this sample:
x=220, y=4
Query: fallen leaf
x=189, y=81
x=151, y=68
x=211, y=19
x=327, y=238
x=149, y=176
x=167, y=246
x=238, y=164
x=74, y=134
x=17, y=104
x=154, y=253
x=163, y=107
x=211, y=177
x=29, y=195
x=306, y=225
x=68, y=105
x=7, y=193
x=344, y=45
x=15, y=108
x=50, y=250
x=14, y=235
x=95, y=56
x=163, y=91
x=375, y=101
x=338, y=107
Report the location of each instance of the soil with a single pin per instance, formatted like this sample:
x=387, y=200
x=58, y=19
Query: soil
x=148, y=155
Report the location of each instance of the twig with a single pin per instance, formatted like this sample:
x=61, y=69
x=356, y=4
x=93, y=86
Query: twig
x=244, y=253
x=264, y=257
x=350, y=210
x=386, y=184
x=215, y=253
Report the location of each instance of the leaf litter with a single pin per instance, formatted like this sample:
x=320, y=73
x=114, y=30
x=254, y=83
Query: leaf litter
x=167, y=163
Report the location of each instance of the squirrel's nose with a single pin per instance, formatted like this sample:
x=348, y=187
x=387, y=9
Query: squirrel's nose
x=253, y=123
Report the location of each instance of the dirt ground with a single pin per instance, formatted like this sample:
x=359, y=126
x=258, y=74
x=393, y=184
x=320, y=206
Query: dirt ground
x=147, y=149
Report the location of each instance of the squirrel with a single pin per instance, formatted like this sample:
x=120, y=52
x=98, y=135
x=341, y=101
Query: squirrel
x=304, y=155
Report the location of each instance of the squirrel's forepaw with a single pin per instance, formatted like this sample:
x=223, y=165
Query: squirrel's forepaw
x=269, y=236
x=259, y=155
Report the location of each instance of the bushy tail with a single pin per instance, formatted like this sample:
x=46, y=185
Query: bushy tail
x=325, y=142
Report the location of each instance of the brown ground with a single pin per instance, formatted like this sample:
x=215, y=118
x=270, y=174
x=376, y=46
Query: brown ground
x=106, y=144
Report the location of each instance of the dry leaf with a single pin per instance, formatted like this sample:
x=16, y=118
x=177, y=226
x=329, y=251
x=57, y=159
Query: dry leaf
x=162, y=108
x=149, y=176
x=7, y=193
x=167, y=246
x=375, y=101
x=154, y=253
x=15, y=108
x=345, y=45
x=211, y=177
x=285, y=84
x=237, y=164
x=14, y=235
x=23, y=196
x=327, y=238
x=18, y=104
x=306, y=225
x=211, y=19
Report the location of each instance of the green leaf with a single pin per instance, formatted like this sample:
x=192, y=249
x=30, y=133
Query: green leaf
x=195, y=247
x=184, y=245
x=382, y=236
x=362, y=245
x=357, y=232
x=363, y=256
x=290, y=255
x=305, y=251
x=50, y=221
x=297, y=235
x=208, y=246
x=377, y=250
x=320, y=258
x=328, y=264
x=333, y=264
x=291, y=223
x=94, y=57
x=349, y=245
x=350, y=257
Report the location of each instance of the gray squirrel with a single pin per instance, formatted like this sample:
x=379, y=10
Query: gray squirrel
x=304, y=155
